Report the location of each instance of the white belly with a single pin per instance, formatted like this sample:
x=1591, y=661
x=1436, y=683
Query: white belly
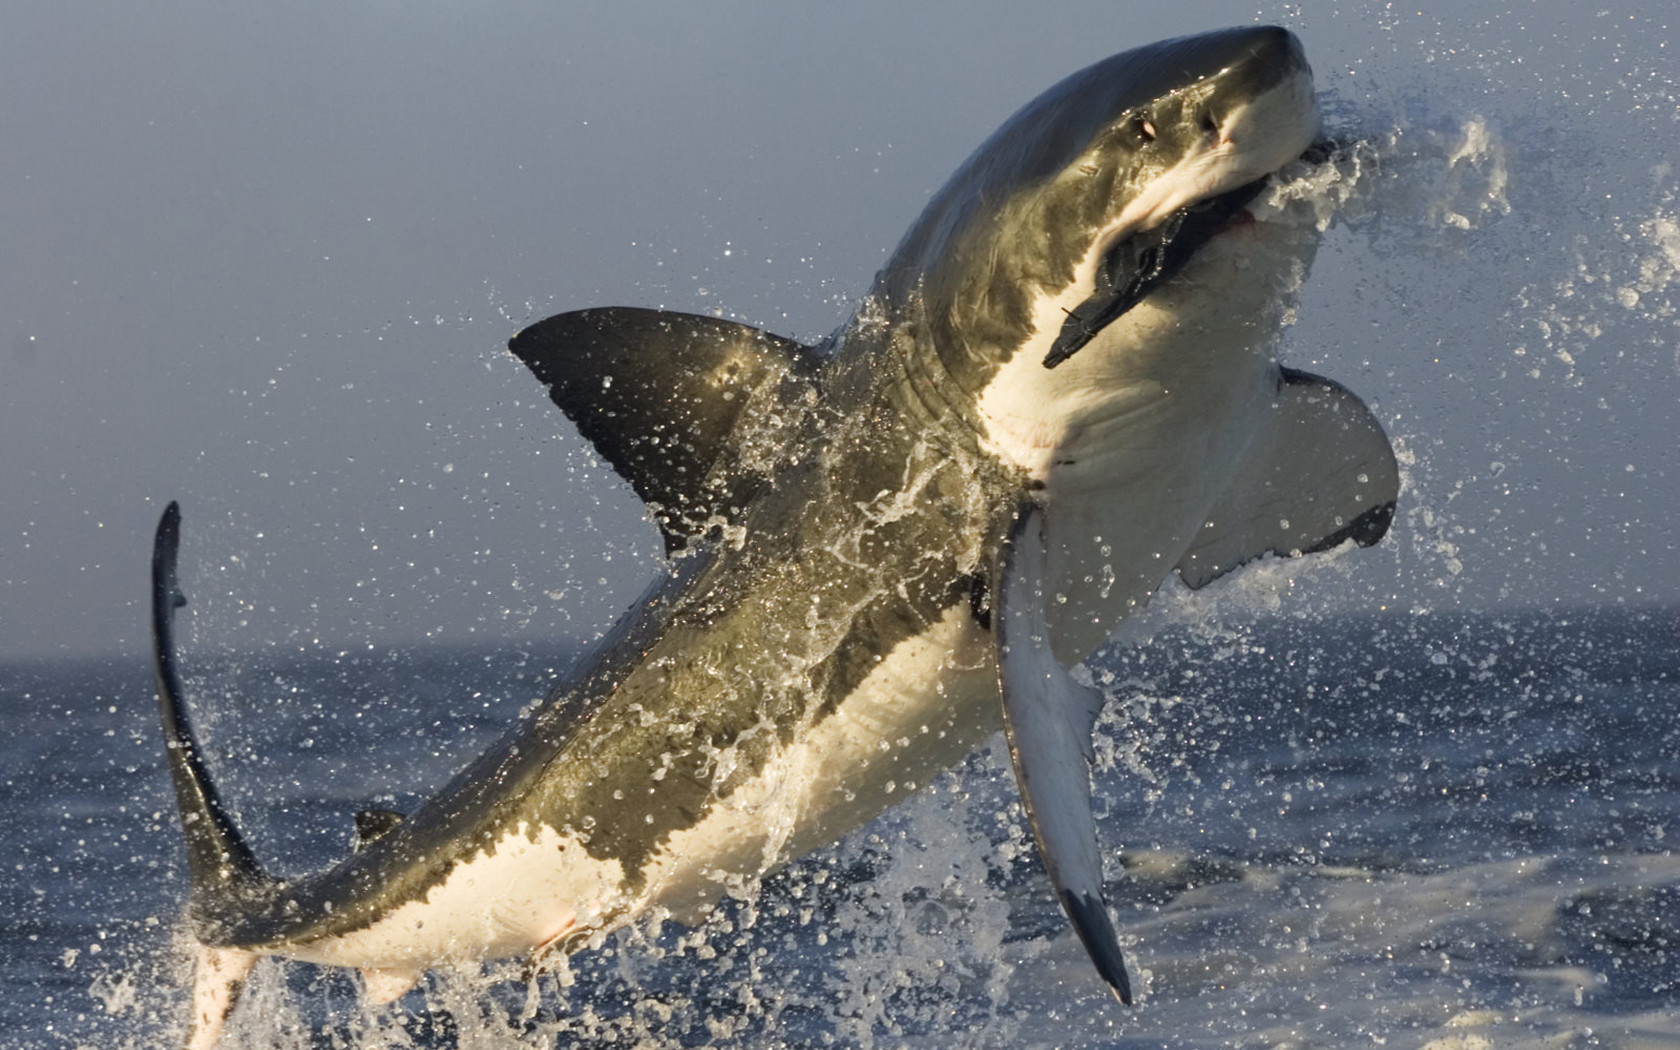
x=925, y=706
x=530, y=887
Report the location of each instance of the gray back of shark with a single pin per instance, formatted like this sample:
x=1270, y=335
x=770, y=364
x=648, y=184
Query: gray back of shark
x=1060, y=388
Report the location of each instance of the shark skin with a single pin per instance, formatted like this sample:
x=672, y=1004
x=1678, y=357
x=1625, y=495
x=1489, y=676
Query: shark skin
x=1060, y=389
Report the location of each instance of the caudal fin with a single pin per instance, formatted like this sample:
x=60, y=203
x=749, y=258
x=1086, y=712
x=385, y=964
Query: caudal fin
x=222, y=866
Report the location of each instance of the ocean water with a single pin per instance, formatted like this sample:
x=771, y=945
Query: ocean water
x=1398, y=830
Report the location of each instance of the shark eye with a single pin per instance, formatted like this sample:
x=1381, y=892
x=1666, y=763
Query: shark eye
x=1144, y=129
x=1210, y=125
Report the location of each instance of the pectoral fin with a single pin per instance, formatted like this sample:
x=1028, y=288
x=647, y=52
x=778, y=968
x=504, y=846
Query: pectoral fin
x=1048, y=718
x=1320, y=472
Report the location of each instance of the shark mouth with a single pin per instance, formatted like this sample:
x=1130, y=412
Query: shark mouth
x=1141, y=263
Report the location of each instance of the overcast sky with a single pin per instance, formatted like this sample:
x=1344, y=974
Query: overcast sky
x=263, y=259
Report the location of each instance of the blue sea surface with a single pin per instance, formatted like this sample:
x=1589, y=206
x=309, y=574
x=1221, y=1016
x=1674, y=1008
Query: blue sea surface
x=1434, y=831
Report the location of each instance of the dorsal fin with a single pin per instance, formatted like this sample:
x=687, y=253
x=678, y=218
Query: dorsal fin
x=659, y=394
x=1322, y=473
x=372, y=824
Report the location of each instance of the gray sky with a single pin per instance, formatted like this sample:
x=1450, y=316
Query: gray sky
x=264, y=258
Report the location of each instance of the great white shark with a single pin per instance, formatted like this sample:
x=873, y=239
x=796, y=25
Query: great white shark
x=1059, y=390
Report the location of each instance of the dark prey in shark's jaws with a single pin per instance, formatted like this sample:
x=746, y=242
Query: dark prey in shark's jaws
x=1060, y=389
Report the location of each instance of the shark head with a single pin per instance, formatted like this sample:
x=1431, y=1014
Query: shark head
x=1097, y=193
x=1095, y=297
